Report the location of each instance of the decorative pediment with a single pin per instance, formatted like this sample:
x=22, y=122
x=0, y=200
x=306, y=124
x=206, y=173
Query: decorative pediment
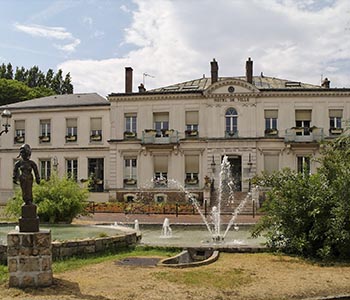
x=230, y=87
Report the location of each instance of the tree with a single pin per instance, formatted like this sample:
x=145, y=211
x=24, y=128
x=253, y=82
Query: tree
x=58, y=200
x=57, y=82
x=48, y=78
x=15, y=91
x=35, y=77
x=309, y=215
x=9, y=71
x=3, y=71
x=21, y=74
x=67, y=87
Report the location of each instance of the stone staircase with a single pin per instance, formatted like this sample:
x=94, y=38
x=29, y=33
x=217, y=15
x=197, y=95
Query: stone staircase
x=228, y=207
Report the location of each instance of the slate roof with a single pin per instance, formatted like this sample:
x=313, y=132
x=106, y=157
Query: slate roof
x=56, y=101
x=261, y=82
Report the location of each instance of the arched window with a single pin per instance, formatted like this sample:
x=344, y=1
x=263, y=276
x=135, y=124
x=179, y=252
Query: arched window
x=231, y=122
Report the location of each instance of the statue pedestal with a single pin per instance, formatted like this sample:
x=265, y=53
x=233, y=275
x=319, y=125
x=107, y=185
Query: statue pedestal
x=29, y=222
x=29, y=259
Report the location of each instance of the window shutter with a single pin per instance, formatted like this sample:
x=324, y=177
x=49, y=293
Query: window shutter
x=96, y=123
x=192, y=163
x=271, y=114
x=71, y=122
x=19, y=124
x=161, y=117
x=335, y=113
x=303, y=115
x=191, y=117
x=161, y=164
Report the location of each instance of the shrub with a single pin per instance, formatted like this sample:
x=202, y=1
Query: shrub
x=58, y=200
x=309, y=215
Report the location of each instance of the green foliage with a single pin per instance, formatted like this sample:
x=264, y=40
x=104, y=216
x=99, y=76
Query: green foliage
x=58, y=200
x=309, y=215
x=31, y=83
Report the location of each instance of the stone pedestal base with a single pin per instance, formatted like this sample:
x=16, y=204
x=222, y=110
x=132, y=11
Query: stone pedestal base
x=29, y=259
x=29, y=222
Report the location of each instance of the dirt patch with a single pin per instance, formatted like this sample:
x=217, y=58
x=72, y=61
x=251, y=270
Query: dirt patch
x=138, y=261
x=233, y=276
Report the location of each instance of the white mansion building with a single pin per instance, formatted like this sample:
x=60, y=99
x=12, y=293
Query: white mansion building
x=138, y=141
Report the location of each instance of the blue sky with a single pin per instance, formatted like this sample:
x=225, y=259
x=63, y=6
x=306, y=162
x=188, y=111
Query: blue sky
x=174, y=40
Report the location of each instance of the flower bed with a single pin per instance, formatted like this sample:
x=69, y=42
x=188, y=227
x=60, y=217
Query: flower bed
x=141, y=208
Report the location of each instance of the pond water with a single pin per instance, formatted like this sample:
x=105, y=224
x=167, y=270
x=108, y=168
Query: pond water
x=68, y=232
x=196, y=235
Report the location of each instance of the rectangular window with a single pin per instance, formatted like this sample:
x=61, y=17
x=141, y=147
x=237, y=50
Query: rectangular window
x=130, y=171
x=45, y=131
x=303, y=164
x=96, y=174
x=335, y=121
x=95, y=129
x=271, y=121
x=71, y=130
x=72, y=168
x=45, y=168
x=160, y=171
x=191, y=123
x=271, y=163
x=130, y=123
x=302, y=122
x=161, y=123
x=19, y=132
x=192, y=170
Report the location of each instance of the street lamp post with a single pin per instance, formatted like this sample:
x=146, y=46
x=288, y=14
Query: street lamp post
x=6, y=116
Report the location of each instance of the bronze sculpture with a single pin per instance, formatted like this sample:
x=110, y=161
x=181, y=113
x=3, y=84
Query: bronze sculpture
x=23, y=171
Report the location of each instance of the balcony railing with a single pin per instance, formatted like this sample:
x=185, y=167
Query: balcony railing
x=152, y=136
x=304, y=134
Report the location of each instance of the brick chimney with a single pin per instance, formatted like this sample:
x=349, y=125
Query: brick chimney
x=214, y=71
x=249, y=70
x=326, y=83
x=128, y=80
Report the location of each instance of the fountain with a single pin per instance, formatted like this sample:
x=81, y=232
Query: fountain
x=166, y=230
x=226, y=191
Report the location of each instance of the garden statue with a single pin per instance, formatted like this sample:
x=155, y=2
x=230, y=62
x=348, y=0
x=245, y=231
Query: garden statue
x=23, y=172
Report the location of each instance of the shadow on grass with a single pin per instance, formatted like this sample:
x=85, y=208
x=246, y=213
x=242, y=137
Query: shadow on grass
x=60, y=288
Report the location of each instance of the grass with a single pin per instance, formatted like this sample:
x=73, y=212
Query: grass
x=74, y=263
x=79, y=262
x=208, y=277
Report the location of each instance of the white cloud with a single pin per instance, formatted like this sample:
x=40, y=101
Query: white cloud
x=176, y=40
x=56, y=33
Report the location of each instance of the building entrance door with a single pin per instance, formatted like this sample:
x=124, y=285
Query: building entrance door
x=236, y=169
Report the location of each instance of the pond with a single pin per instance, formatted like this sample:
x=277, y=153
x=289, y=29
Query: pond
x=196, y=235
x=68, y=232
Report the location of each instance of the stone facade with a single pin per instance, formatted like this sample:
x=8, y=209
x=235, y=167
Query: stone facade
x=29, y=259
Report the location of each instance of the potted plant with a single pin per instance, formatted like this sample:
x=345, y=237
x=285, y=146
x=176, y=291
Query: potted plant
x=44, y=138
x=71, y=138
x=271, y=131
x=129, y=134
